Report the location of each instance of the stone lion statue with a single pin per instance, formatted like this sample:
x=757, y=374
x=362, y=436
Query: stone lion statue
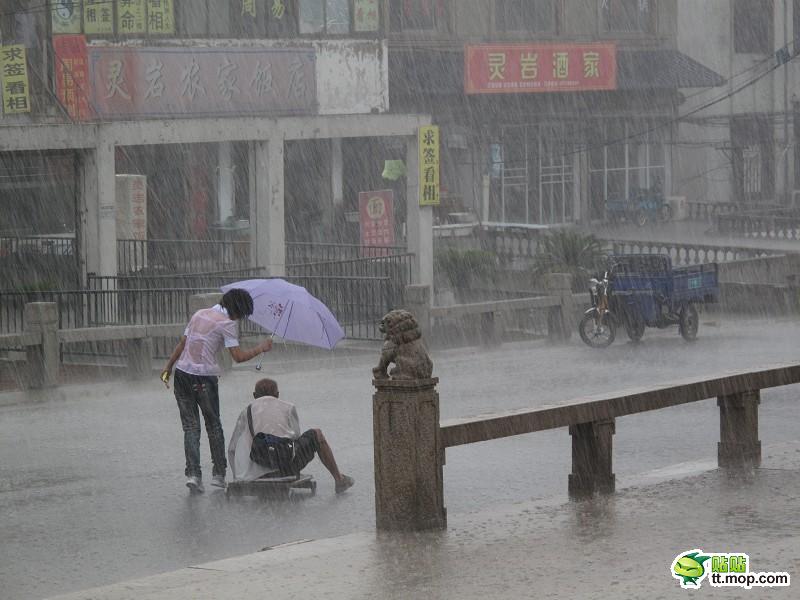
x=403, y=347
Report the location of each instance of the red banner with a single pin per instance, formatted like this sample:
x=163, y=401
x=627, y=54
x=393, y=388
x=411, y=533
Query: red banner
x=169, y=82
x=376, y=212
x=526, y=68
x=72, y=75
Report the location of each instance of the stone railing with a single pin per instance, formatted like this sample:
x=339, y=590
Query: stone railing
x=410, y=441
x=42, y=339
x=688, y=254
x=769, y=226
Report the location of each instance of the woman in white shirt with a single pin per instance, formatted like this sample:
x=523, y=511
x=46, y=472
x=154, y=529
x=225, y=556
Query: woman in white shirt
x=196, y=379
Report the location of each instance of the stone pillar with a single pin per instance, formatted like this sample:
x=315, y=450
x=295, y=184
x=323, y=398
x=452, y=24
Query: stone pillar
x=418, y=303
x=224, y=181
x=43, y=364
x=560, y=319
x=491, y=329
x=267, y=224
x=199, y=301
x=739, y=446
x=592, y=458
x=419, y=220
x=337, y=188
x=408, y=455
x=99, y=235
x=140, y=358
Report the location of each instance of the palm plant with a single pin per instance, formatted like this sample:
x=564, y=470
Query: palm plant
x=570, y=251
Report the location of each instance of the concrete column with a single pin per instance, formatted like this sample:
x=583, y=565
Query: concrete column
x=224, y=181
x=418, y=303
x=140, y=358
x=739, y=446
x=408, y=455
x=43, y=364
x=99, y=202
x=267, y=219
x=592, y=458
x=419, y=220
x=560, y=319
x=200, y=301
x=337, y=184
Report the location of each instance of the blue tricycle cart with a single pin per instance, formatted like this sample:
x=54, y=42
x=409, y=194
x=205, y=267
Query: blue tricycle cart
x=644, y=290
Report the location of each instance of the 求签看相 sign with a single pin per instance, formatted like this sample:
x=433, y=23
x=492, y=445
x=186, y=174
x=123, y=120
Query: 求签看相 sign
x=429, y=159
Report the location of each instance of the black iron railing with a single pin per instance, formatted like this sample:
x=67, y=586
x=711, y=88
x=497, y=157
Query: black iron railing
x=181, y=256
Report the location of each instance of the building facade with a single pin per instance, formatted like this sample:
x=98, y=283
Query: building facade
x=550, y=108
x=246, y=117
x=739, y=140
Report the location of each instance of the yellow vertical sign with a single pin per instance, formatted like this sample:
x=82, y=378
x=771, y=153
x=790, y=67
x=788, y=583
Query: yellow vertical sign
x=160, y=16
x=14, y=70
x=98, y=17
x=249, y=8
x=429, y=166
x=131, y=17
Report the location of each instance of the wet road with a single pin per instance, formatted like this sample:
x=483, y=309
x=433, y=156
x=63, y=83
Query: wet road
x=91, y=486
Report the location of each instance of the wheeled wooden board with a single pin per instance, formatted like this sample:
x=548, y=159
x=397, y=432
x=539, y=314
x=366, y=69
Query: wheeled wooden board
x=272, y=487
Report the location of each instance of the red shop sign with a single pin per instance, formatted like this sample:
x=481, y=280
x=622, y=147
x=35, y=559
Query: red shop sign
x=530, y=68
x=72, y=75
x=376, y=215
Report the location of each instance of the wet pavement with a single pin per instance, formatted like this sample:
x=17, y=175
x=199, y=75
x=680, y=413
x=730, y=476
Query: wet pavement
x=619, y=546
x=91, y=486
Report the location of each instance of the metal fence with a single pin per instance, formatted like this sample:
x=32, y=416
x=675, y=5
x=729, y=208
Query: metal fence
x=312, y=252
x=181, y=256
x=32, y=262
x=213, y=279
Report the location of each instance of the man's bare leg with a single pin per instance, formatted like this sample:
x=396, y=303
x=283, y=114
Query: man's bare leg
x=326, y=455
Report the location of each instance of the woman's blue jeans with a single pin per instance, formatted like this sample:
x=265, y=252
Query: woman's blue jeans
x=196, y=394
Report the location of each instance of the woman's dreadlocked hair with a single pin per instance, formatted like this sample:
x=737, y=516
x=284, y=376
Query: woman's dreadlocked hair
x=238, y=303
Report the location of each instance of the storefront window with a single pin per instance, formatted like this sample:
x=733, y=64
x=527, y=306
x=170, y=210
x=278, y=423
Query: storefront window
x=623, y=160
x=628, y=15
x=536, y=176
x=537, y=16
x=325, y=16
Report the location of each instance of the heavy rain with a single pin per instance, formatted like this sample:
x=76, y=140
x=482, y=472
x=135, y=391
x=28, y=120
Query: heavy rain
x=399, y=298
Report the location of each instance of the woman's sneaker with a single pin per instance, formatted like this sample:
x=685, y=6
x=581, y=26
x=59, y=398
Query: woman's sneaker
x=344, y=483
x=195, y=484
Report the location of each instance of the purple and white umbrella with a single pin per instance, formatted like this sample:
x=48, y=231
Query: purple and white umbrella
x=290, y=312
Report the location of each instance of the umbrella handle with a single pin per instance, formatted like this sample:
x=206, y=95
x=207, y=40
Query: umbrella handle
x=261, y=356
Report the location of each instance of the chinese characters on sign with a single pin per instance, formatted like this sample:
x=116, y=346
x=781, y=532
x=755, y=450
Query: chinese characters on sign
x=131, y=197
x=366, y=13
x=518, y=68
x=249, y=8
x=159, y=82
x=429, y=166
x=131, y=17
x=65, y=16
x=98, y=17
x=72, y=75
x=14, y=71
x=160, y=16
x=376, y=210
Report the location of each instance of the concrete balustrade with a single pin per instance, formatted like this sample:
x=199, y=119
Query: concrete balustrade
x=559, y=303
x=410, y=442
x=42, y=341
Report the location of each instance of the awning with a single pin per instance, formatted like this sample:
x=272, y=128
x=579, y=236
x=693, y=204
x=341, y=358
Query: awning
x=436, y=72
x=662, y=69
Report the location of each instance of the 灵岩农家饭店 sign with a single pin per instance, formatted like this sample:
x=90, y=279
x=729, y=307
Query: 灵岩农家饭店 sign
x=169, y=82
x=526, y=68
